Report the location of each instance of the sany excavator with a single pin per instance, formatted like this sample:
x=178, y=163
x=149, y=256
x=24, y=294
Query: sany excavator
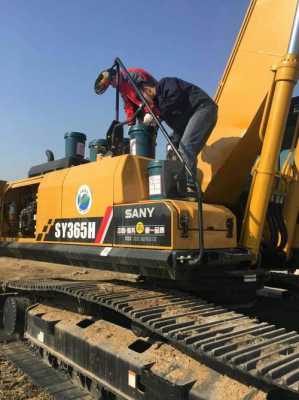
x=123, y=210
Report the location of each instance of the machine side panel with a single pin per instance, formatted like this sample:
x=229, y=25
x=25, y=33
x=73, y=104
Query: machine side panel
x=49, y=199
x=131, y=179
x=81, y=201
x=88, y=189
x=241, y=97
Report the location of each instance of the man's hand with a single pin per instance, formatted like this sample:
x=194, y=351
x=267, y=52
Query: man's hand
x=149, y=119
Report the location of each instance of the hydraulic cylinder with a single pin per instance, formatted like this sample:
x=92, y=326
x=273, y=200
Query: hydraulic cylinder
x=253, y=225
x=285, y=79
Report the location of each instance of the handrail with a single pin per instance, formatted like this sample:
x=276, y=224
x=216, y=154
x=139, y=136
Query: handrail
x=119, y=64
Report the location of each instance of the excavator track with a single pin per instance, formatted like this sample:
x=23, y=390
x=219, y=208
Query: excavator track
x=58, y=385
x=258, y=353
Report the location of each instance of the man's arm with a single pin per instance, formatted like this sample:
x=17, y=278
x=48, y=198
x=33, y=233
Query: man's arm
x=173, y=93
x=130, y=109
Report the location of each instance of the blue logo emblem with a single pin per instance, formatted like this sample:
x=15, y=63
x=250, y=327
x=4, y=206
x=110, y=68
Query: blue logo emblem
x=83, y=199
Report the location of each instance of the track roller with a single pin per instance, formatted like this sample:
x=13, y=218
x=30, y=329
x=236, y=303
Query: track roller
x=14, y=315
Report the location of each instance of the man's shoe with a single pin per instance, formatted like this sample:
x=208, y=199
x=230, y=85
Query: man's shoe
x=191, y=193
x=191, y=188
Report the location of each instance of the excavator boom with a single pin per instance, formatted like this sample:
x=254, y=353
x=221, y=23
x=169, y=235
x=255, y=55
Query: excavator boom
x=242, y=96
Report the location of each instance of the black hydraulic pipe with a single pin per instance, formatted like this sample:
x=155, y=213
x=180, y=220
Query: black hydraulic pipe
x=119, y=64
x=277, y=227
x=273, y=228
x=117, y=94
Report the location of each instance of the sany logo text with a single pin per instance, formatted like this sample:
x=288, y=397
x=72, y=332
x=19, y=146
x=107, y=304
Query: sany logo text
x=145, y=212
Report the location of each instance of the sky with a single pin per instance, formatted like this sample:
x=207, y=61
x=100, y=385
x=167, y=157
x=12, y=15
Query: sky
x=53, y=50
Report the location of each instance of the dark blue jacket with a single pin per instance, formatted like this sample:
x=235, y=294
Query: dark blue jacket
x=177, y=100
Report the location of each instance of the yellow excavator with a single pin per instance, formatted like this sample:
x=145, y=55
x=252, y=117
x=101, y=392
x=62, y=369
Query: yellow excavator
x=123, y=210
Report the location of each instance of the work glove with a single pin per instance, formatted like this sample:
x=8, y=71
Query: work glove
x=137, y=114
x=148, y=119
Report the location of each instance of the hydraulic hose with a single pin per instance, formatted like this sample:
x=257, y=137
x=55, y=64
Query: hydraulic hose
x=119, y=64
x=282, y=228
x=277, y=228
x=117, y=95
x=272, y=243
x=273, y=225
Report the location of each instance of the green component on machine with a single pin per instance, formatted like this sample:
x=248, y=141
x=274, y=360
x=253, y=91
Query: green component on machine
x=142, y=141
x=97, y=146
x=154, y=169
x=166, y=179
x=75, y=144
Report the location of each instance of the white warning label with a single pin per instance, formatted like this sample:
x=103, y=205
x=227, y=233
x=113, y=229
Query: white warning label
x=155, y=186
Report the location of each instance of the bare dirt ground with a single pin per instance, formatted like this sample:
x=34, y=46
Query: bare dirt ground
x=13, y=268
x=14, y=385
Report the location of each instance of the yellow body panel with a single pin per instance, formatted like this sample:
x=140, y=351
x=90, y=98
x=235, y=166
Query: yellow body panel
x=120, y=181
x=49, y=198
x=25, y=182
x=131, y=183
x=99, y=177
x=290, y=178
x=113, y=180
x=56, y=197
x=214, y=224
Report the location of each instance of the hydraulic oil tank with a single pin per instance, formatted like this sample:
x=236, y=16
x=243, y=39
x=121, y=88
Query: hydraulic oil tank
x=167, y=179
x=75, y=144
x=97, y=146
x=142, y=141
